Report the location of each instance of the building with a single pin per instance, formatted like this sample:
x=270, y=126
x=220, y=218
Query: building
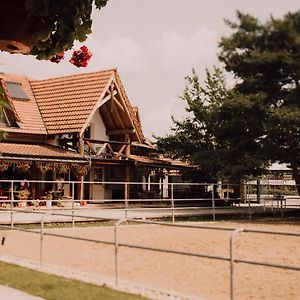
x=76, y=128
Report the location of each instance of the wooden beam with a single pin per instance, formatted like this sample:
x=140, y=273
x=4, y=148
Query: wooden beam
x=117, y=102
x=104, y=100
x=111, y=88
x=102, y=142
x=107, y=116
x=119, y=131
x=90, y=146
x=101, y=149
x=121, y=150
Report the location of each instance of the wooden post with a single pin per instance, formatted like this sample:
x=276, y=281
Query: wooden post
x=82, y=201
x=33, y=184
x=81, y=145
x=127, y=168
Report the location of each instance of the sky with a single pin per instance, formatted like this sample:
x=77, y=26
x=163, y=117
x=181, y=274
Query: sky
x=154, y=44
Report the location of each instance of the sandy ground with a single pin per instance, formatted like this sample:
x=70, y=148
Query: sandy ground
x=192, y=276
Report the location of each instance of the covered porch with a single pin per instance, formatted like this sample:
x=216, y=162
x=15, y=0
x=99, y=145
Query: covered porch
x=39, y=172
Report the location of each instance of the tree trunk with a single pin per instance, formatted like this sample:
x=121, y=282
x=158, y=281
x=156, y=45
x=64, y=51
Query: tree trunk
x=296, y=176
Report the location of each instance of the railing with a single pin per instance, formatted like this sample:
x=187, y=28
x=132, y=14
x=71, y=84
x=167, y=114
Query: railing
x=164, y=199
x=232, y=259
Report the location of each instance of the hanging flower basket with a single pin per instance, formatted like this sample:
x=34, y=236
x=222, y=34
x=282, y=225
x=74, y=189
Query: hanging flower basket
x=79, y=170
x=23, y=166
x=62, y=168
x=18, y=27
x=44, y=167
x=43, y=28
x=4, y=165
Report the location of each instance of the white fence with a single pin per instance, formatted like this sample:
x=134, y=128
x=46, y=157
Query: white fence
x=161, y=199
x=232, y=241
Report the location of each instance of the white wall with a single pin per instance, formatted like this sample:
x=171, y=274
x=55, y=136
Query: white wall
x=98, y=128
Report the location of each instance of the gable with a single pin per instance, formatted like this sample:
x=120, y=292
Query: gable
x=65, y=103
x=119, y=117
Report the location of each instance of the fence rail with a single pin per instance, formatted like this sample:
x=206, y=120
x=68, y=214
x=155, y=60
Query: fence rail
x=166, y=199
x=232, y=259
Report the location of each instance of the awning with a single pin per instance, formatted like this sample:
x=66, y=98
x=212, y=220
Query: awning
x=38, y=152
x=162, y=162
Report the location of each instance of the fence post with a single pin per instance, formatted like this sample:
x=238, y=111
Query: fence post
x=172, y=202
x=117, y=250
x=126, y=198
x=42, y=236
x=12, y=194
x=232, y=240
x=73, y=220
x=213, y=202
x=11, y=220
x=281, y=206
x=249, y=202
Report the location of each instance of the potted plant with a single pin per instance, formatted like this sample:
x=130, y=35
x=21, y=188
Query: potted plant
x=4, y=165
x=24, y=166
x=23, y=197
x=79, y=170
x=50, y=27
x=44, y=167
x=62, y=168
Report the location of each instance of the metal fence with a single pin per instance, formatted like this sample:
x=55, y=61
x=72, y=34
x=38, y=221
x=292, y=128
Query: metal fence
x=163, y=199
x=232, y=259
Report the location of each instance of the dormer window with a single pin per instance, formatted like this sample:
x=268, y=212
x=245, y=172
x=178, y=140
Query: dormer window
x=16, y=91
x=3, y=118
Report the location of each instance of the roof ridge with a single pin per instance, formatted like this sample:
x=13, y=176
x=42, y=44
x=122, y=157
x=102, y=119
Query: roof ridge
x=74, y=75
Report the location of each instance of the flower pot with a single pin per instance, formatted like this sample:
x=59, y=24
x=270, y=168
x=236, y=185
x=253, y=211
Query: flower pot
x=22, y=203
x=17, y=27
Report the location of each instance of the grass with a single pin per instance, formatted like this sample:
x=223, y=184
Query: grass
x=53, y=287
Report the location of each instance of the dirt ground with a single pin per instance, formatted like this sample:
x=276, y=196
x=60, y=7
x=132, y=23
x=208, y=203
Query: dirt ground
x=194, y=277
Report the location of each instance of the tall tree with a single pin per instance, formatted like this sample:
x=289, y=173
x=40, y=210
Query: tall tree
x=215, y=134
x=265, y=58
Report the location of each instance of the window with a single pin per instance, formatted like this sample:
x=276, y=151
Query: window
x=3, y=119
x=15, y=90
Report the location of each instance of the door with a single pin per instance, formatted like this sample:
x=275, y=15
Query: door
x=97, y=187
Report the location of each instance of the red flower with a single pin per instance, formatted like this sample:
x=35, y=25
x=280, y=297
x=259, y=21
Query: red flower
x=81, y=57
x=58, y=57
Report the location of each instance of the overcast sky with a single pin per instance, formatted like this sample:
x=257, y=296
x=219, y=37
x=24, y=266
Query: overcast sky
x=154, y=44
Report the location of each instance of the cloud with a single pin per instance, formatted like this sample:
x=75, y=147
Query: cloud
x=117, y=51
x=179, y=50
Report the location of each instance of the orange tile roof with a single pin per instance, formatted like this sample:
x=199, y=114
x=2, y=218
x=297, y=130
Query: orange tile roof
x=66, y=102
x=27, y=110
x=63, y=104
x=134, y=113
x=34, y=150
x=162, y=162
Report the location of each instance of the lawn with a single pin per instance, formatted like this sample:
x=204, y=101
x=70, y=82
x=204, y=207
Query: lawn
x=53, y=287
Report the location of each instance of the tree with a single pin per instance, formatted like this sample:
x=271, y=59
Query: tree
x=239, y=132
x=215, y=134
x=193, y=138
x=265, y=58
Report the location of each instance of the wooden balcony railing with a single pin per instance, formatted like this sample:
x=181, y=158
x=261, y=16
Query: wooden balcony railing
x=106, y=149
